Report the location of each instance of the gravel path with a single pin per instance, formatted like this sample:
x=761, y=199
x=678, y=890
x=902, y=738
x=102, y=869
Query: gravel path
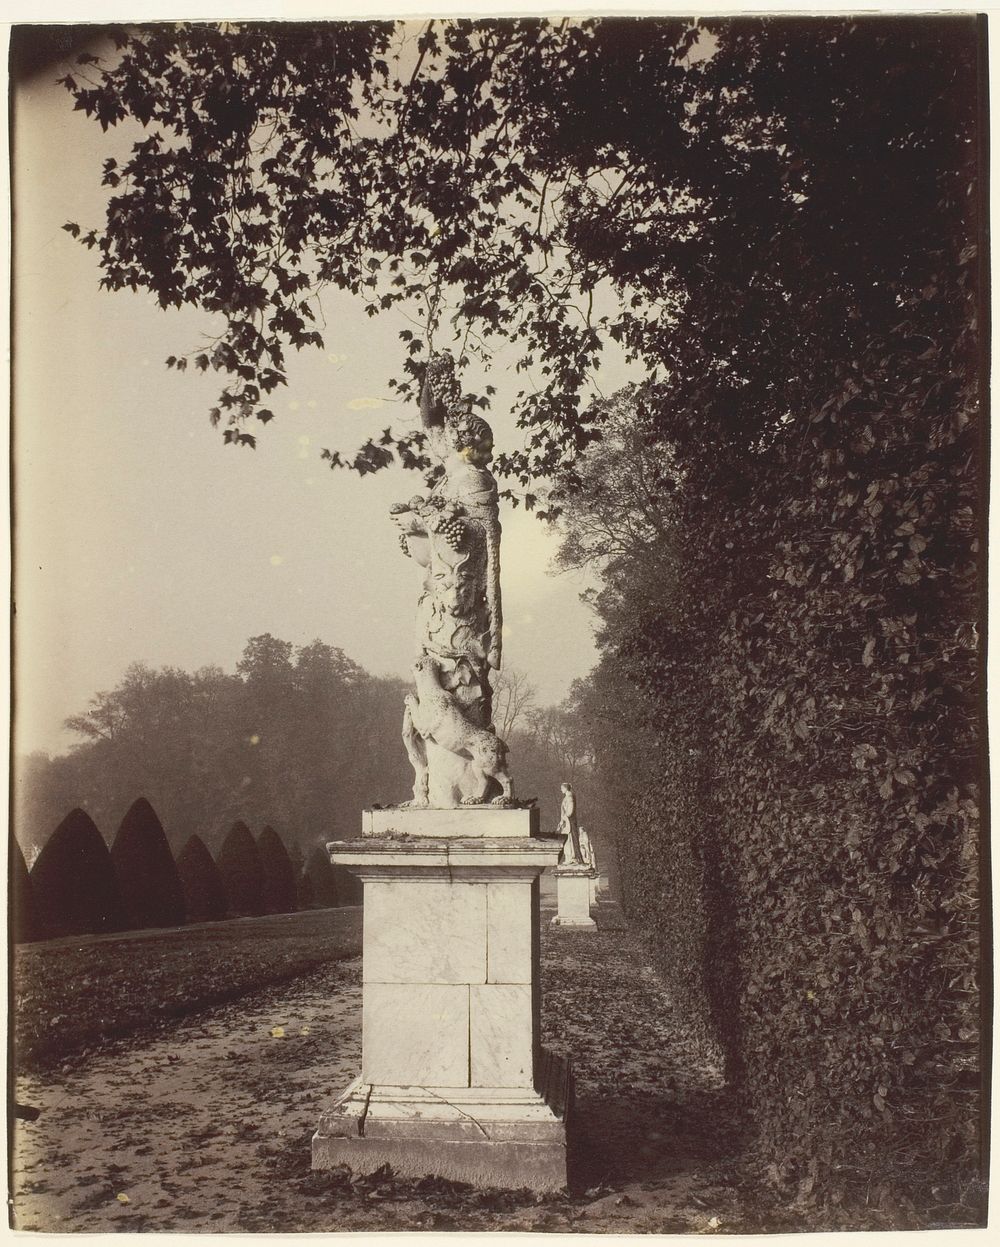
x=205, y=1124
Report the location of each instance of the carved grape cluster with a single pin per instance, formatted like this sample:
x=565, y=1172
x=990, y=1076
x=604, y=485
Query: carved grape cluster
x=451, y=528
x=443, y=382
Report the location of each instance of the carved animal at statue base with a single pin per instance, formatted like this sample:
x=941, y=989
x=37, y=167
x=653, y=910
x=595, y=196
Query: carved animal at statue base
x=455, y=762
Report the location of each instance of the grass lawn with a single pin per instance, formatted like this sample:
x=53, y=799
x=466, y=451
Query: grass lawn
x=73, y=994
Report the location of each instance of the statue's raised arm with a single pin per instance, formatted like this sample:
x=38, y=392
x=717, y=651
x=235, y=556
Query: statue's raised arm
x=454, y=534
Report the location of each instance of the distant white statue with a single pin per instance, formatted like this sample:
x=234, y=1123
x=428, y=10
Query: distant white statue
x=569, y=828
x=587, y=850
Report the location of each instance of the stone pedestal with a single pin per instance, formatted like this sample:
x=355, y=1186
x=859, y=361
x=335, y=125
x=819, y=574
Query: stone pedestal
x=453, y=1080
x=573, y=897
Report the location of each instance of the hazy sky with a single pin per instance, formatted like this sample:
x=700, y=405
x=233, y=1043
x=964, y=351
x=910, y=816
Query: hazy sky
x=141, y=537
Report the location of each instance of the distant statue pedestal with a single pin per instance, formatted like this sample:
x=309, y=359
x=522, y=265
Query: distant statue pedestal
x=454, y=1081
x=595, y=879
x=574, y=893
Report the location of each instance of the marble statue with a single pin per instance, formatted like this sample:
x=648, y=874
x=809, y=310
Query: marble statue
x=588, y=856
x=454, y=535
x=432, y=716
x=569, y=828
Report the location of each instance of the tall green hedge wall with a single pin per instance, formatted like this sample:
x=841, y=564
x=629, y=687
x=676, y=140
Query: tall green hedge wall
x=788, y=704
x=796, y=750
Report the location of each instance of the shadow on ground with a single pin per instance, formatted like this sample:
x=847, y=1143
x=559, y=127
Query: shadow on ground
x=648, y=1138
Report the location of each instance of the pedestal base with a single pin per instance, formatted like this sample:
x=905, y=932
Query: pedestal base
x=573, y=896
x=488, y=1136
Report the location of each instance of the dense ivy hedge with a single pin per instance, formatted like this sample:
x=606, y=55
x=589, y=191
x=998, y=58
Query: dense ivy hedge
x=791, y=718
x=847, y=764
x=796, y=749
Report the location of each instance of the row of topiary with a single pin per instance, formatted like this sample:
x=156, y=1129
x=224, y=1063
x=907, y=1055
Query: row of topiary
x=78, y=886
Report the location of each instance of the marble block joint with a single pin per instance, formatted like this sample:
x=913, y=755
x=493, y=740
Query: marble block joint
x=453, y=1081
x=573, y=897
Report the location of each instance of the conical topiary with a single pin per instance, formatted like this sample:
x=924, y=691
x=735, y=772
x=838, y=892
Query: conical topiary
x=322, y=879
x=73, y=880
x=24, y=922
x=350, y=889
x=240, y=870
x=204, y=895
x=279, y=874
x=304, y=890
x=295, y=855
x=147, y=874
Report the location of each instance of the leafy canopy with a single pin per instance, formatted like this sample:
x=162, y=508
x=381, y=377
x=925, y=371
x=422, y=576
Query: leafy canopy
x=544, y=182
x=722, y=199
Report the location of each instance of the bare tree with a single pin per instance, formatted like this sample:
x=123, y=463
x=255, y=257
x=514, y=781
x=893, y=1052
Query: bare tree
x=513, y=701
x=558, y=732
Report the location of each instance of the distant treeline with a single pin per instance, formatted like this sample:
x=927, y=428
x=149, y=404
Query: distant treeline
x=78, y=886
x=298, y=739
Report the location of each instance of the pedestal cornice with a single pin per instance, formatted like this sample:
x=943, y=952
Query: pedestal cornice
x=466, y=822
x=477, y=858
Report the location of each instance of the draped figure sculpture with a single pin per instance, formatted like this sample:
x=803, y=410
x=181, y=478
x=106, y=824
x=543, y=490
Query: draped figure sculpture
x=587, y=854
x=569, y=829
x=454, y=534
